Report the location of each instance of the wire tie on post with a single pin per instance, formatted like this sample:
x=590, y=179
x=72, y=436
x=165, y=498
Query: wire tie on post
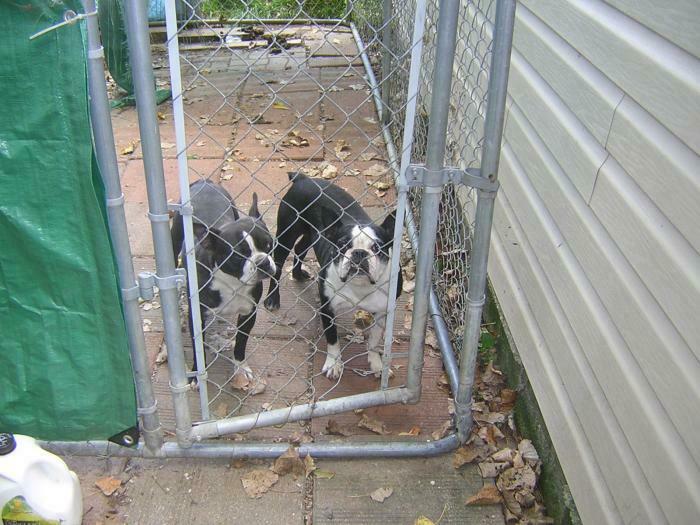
x=69, y=17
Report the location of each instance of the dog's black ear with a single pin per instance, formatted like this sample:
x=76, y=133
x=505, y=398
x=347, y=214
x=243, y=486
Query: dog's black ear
x=389, y=224
x=388, y=228
x=207, y=237
x=200, y=230
x=254, y=213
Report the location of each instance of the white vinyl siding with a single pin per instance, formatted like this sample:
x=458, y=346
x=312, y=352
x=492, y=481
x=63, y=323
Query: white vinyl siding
x=595, y=249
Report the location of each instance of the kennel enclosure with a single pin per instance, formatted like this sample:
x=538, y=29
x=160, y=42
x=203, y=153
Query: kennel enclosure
x=401, y=104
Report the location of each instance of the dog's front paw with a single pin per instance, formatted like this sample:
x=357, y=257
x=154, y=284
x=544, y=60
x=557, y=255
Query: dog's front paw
x=376, y=365
x=299, y=274
x=243, y=370
x=333, y=367
x=272, y=302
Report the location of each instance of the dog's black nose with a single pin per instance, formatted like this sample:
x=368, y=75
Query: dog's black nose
x=358, y=256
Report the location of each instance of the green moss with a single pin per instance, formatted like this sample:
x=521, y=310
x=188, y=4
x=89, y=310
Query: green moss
x=528, y=418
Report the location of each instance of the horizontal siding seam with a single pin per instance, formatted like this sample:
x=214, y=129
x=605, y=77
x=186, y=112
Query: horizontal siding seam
x=652, y=33
x=594, y=77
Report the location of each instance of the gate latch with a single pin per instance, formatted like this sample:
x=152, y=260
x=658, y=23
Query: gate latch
x=148, y=280
x=418, y=175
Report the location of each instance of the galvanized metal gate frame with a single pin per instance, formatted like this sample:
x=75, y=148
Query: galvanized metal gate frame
x=432, y=177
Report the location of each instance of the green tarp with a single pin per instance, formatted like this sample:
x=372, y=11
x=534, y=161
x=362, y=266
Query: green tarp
x=65, y=372
x=113, y=29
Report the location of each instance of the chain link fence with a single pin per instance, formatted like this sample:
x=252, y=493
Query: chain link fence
x=464, y=134
x=268, y=97
x=464, y=141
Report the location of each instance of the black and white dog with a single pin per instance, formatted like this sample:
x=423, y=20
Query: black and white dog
x=353, y=254
x=233, y=258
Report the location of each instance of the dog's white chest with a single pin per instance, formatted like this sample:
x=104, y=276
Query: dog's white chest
x=356, y=293
x=236, y=297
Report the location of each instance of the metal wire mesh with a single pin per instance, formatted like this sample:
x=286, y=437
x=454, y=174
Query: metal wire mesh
x=266, y=92
x=464, y=142
x=263, y=97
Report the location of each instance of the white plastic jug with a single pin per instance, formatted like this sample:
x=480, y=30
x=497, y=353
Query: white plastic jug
x=35, y=485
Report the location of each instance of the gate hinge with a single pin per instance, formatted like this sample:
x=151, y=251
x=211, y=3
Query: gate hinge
x=419, y=175
x=147, y=280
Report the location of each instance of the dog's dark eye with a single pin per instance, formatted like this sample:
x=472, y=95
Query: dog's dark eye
x=376, y=248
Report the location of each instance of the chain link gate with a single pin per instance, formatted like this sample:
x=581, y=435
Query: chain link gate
x=287, y=114
x=365, y=102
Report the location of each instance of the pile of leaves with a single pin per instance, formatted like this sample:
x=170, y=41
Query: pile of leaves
x=510, y=466
x=260, y=481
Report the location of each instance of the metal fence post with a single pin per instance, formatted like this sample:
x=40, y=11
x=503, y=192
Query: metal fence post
x=167, y=278
x=437, y=138
x=493, y=131
x=107, y=160
x=386, y=59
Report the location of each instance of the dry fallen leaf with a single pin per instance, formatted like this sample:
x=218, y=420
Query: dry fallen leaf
x=258, y=482
x=490, y=469
x=372, y=425
x=239, y=463
x=279, y=105
x=108, y=485
x=488, y=495
x=329, y=172
x=517, y=478
x=221, y=410
x=167, y=145
x=380, y=185
x=408, y=287
x=324, y=474
x=422, y=520
x=241, y=381
x=413, y=432
x=369, y=155
x=301, y=437
x=333, y=428
x=442, y=431
x=508, y=398
x=127, y=150
x=363, y=319
x=342, y=149
x=505, y=454
x=528, y=452
x=289, y=462
x=309, y=465
x=376, y=170
x=469, y=453
x=381, y=494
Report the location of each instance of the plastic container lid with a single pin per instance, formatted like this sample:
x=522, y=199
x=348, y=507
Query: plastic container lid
x=7, y=443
